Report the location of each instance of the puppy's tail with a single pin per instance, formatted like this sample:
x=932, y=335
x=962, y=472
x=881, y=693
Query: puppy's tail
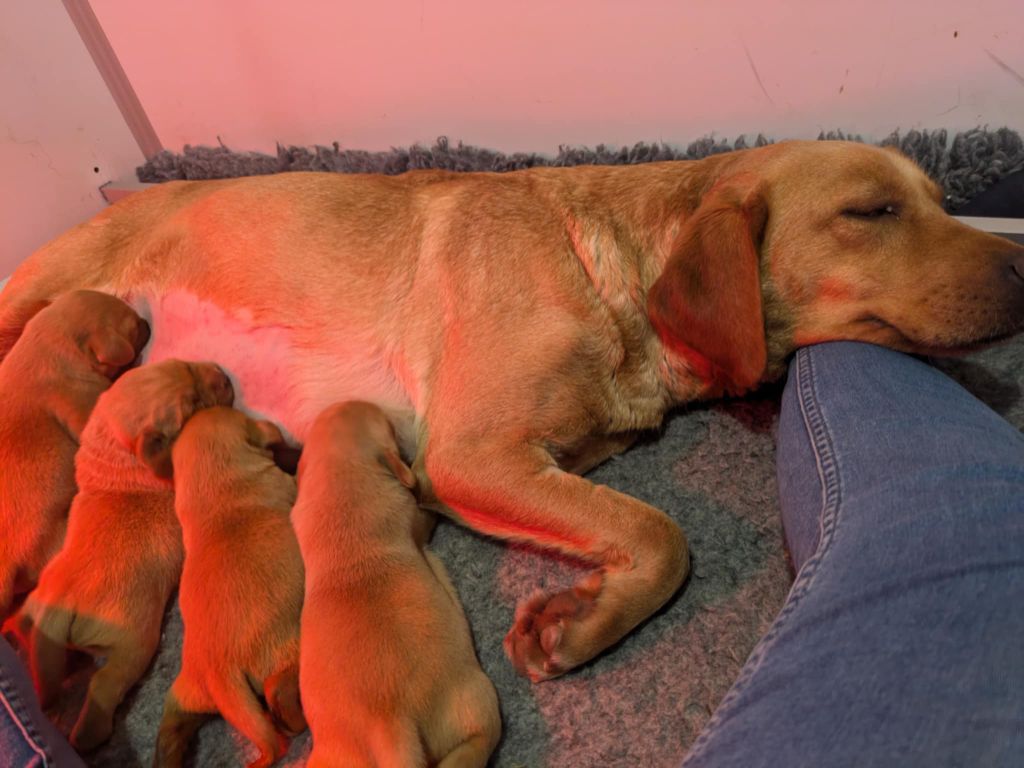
x=48, y=653
x=238, y=704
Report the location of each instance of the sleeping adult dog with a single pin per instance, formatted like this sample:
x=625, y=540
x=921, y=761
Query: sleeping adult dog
x=521, y=328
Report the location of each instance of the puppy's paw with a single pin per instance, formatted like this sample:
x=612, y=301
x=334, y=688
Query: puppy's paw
x=536, y=645
x=94, y=726
x=268, y=757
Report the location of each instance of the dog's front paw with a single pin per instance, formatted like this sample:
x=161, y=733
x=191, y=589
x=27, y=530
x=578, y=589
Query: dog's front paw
x=536, y=645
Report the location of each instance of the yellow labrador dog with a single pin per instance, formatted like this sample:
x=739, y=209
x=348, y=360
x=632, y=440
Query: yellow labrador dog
x=241, y=587
x=389, y=675
x=67, y=357
x=520, y=328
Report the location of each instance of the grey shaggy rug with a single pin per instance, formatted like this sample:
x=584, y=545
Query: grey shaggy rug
x=711, y=468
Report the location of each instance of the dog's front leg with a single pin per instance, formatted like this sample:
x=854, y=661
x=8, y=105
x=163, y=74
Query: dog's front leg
x=515, y=491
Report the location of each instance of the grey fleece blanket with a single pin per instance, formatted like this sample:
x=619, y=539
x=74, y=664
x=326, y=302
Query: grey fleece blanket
x=711, y=468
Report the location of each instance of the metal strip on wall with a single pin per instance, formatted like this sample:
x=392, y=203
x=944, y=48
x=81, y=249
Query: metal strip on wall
x=92, y=34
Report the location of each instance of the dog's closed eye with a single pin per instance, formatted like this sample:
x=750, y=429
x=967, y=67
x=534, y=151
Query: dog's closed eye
x=872, y=212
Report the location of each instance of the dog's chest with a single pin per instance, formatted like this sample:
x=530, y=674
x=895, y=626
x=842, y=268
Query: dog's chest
x=277, y=374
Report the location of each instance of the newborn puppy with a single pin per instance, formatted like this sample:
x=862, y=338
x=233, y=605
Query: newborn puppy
x=388, y=672
x=241, y=588
x=106, y=590
x=49, y=383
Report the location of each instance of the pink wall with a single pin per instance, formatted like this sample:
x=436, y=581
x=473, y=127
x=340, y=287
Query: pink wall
x=526, y=75
x=530, y=75
x=61, y=136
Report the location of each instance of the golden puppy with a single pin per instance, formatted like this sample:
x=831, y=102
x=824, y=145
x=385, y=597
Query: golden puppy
x=49, y=383
x=106, y=590
x=389, y=676
x=523, y=327
x=241, y=588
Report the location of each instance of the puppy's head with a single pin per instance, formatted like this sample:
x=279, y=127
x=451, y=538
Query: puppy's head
x=356, y=433
x=148, y=406
x=103, y=329
x=803, y=242
x=215, y=439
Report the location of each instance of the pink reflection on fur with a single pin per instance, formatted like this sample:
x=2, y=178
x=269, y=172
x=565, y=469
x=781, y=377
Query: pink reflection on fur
x=255, y=358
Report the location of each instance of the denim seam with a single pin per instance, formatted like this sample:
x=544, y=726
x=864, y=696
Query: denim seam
x=831, y=492
x=12, y=703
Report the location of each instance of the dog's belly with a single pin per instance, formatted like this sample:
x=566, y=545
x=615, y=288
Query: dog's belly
x=277, y=374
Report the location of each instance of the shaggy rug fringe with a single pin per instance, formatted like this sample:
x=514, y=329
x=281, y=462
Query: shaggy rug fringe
x=964, y=163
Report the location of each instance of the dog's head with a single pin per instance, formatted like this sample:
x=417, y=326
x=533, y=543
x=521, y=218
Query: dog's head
x=104, y=330
x=803, y=242
x=147, y=407
x=353, y=433
x=216, y=438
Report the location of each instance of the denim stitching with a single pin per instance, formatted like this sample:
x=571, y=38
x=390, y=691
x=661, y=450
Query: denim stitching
x=831, y=492
x=12, y=703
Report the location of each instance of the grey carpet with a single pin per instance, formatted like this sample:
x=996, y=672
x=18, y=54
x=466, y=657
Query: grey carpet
x=964, y=163
x=711, y=468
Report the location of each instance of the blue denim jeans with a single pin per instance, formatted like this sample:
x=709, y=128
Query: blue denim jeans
x=902, y=640
x=27, y=738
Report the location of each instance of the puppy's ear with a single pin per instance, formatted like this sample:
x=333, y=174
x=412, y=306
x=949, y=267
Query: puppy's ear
x=264, y=434
x=706, y=304
x=153, y=448
x=111, y=350
x=401, y=470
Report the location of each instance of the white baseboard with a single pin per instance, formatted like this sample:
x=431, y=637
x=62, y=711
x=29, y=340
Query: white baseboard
x=113, y=191
x=1010, y=228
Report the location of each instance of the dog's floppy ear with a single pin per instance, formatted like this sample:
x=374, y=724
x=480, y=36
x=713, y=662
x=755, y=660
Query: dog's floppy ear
x=153, y=448
x=706, y=304
x=401, y=470
x=154, y=443
x=264, y=434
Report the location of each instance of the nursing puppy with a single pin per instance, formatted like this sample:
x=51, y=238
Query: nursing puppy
x=389, y=676
x=241, y=587
x=106, y=590
x=49, y=383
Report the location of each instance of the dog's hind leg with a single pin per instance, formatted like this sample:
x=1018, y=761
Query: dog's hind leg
x=126, y=663
x=472, y=753
x=239, y=706
x=48, y=654
x=281, y=690
x=470, y=715
x=178, y=725
x=396, y=744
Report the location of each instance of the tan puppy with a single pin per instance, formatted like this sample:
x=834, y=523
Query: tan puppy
x=523, y=327
x=49, y=383
x=106, y=590
x=241, y=588
x=389, y=675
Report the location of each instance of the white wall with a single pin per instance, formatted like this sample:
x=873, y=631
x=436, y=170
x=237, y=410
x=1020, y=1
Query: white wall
x=57, y=123
x=531, y=74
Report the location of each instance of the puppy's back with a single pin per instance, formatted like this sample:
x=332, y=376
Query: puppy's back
x=377, y=599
